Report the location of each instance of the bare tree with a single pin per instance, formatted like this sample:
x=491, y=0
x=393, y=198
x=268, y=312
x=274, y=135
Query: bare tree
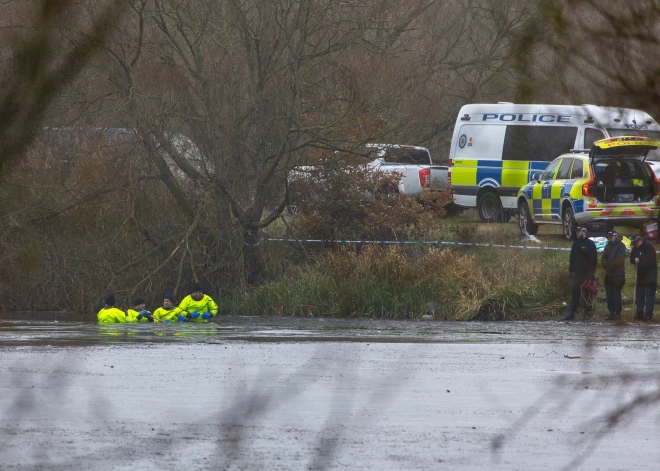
x=38, y=66
x=253, y=85
x=593, y=51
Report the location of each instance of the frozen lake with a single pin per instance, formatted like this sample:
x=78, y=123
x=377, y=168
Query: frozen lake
x=264, y=393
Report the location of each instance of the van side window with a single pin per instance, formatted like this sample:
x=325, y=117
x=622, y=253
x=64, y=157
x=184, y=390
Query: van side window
x=578, y=169
x=537, y=143
x=564, y=172
x=592, y=135
x=550, y=171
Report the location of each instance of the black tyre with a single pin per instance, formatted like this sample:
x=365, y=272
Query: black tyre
x=527, y=225
x=569, y=224
x=490, y=208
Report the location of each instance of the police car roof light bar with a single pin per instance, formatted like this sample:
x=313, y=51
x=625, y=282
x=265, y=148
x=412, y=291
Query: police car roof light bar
x=579, y=151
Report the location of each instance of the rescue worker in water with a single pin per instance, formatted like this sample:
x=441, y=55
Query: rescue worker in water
x=139, y=312
x=110, y=314
x=197, y=306
x=168, y=312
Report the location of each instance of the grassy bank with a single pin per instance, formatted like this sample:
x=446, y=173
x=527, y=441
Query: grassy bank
x=448, y=283
x=452, y=283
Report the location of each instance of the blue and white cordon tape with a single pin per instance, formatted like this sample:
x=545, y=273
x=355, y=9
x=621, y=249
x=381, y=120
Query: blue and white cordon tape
x=405, y=242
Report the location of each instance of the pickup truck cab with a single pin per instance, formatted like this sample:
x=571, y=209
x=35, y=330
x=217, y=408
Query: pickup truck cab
x=611, y=184
x=413, y=163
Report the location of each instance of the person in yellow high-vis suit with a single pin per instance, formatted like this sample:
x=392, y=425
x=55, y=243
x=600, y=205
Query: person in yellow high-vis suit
x=139, y=312
x=168, y=312
x=110, y=314
x=197, y=306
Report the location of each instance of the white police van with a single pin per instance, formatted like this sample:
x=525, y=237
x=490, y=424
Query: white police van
x=496, y=148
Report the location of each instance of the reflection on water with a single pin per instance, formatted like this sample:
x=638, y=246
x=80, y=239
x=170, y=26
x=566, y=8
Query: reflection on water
x=128, y=332
x=265, y=329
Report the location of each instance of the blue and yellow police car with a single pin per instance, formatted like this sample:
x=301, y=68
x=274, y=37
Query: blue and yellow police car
x=611, y=184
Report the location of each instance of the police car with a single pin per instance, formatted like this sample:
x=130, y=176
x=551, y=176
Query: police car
x=611, y=184
x=496, y=148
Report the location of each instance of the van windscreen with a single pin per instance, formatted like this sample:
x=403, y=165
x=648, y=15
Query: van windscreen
x=634, y=132
x=537, y=143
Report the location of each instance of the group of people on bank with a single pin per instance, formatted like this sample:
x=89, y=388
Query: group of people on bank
x=196, y=307
x=582, y=268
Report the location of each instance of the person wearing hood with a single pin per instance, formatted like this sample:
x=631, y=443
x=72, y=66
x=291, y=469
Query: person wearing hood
x=139, y=312
x=110, y=314
x=197, y=306
x=168, y=312
x=644, y=259
x=581, y=267
x=613, y=260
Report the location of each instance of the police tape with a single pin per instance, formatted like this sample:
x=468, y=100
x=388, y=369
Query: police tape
x=407, y=242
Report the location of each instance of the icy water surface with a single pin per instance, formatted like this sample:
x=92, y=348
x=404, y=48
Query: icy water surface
x=264, y=393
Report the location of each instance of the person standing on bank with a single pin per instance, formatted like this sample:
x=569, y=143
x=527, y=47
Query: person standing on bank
x=581, y=267
x=644, y=259
x=613, y=260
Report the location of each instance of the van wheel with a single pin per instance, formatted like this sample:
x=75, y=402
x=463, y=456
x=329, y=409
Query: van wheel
x=569, y=224
x=527, y=225
x=490, y=208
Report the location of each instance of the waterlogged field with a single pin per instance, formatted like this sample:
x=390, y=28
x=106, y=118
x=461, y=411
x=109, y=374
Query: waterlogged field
x=264, y=393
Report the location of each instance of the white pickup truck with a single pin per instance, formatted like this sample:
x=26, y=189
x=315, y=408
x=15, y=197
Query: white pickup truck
x=413, y=163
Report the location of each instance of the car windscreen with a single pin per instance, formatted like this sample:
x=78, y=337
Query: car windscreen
x=398, y=155
x=653, y=154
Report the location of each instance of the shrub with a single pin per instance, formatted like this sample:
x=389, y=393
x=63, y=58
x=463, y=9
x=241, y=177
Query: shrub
x=401, y=283
x=342, y=200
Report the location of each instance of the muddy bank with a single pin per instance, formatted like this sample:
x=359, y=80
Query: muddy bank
x=322, y=394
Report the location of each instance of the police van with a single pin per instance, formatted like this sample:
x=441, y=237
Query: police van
x=497, y=148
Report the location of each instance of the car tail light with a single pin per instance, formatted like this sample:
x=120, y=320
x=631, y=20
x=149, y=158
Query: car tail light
x=449, y=171
x=589, y=188
x=656, y=182
x=425, y=177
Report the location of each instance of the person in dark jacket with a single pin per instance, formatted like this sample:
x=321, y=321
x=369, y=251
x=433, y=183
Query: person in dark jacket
x=581, y=267
x=613, y=260
x=643, y=256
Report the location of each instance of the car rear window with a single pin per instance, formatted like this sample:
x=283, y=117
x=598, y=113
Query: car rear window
x=619, y=173
x=397, y=155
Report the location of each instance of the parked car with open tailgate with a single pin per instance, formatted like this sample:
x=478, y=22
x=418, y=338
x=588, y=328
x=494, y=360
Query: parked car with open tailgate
x=611, y=184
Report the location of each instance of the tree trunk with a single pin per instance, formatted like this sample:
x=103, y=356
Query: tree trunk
x=254, y=268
